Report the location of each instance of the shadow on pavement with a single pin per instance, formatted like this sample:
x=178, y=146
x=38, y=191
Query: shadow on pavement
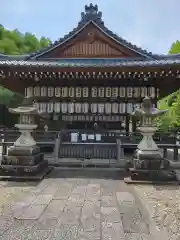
x=87, y=173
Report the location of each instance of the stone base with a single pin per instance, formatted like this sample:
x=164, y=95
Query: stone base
x=149, y=155
x=153, y=164
x=37, y=177
x=128, y=180
x=24, y=163
x=23, y=151
x=23, y=160
x=149, y=175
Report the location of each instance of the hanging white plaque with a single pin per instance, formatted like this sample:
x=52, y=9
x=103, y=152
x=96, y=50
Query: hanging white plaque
x=36, y=91
x=122, y=107
x=108, y=92
x=115, y=108
x=101, y=92
x=94, y=107
x=44, y=107
x=94, y=92
x=108, y=108
x=50, y=91
x=78, y=92
x=57, y=107
x=64, y=92
x=129, y=108
x=136, y=92
x=64, y=107
x=152, y=92
x=85, y=92
x=50, y=107
x=100, y=107
x=122, y=92
x=71, y=108
x=71, y=92
x=57, y=91
x=115, y=92
x=85, y=107
x=43, y=91
x=78, y=107
x=144, y=92
x=29, y=91
x=38, y=106
x=129, y=92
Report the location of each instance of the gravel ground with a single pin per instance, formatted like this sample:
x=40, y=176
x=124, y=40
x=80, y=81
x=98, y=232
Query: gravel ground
x=163, y=204
x=12, y=191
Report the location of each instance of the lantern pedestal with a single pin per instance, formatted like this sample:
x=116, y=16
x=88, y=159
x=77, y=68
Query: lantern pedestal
x=148, y=164
x=24, y=160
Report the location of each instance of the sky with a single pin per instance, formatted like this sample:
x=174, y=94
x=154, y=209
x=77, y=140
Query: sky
x=150, y=24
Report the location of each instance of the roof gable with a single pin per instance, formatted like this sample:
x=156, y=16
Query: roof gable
x=92, y=16
x=91, y=42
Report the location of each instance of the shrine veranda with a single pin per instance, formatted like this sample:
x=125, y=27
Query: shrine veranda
x=91, y=76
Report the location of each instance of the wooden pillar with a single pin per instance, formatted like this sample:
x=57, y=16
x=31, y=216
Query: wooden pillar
x=127, y=123
x=133, y=124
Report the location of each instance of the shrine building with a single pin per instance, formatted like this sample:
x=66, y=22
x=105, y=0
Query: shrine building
x=91, y=75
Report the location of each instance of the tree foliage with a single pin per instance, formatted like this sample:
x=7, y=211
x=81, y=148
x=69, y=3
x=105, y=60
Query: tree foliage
x=175, y=48
x=14, y=42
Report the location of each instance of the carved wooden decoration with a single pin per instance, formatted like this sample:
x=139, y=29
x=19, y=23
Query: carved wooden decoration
x=95, y=49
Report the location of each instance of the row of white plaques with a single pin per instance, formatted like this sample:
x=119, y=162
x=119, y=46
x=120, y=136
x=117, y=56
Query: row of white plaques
x=107, y=108
x=94, y=92
x=100, y=118
x=70, y=118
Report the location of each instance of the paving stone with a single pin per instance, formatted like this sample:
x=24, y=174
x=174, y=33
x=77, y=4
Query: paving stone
x=90, y=216
x=133, y=221
x=91, y=209
x=86, y=235
x=110, y=214
x=132, y=218
x=93, y=192
x=46, y=223
x=75, y=200
x=27, y=200
x=125, y=197
x=65, y=232
x=51, y=189
x=137, y=236
x=43, y=199
x=70, y=216
x=51, y=214
x=107, y=191
x=108, y=201
x=79, y=190
x=39, y=234
x=64, y=191
x=32, y=212
x=113, y=231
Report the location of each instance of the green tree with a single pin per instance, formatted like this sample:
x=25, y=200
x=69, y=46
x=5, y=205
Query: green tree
x=175, y=48
x=14, y=42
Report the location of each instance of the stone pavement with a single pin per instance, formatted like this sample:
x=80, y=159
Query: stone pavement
x=69, y=207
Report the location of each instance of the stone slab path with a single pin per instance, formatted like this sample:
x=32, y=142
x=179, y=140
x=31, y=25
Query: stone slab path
x=68, y=207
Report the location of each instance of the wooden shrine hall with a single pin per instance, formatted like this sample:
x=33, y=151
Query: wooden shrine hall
x=91, y=75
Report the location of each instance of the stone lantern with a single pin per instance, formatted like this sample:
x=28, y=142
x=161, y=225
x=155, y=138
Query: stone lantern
x=27, y=113
x=24, y=159
x=148, y=163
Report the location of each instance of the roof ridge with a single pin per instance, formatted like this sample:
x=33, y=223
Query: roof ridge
x=92, y=14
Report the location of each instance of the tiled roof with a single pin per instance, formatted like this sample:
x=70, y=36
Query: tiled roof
x=91, y=63
x=92, y=15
